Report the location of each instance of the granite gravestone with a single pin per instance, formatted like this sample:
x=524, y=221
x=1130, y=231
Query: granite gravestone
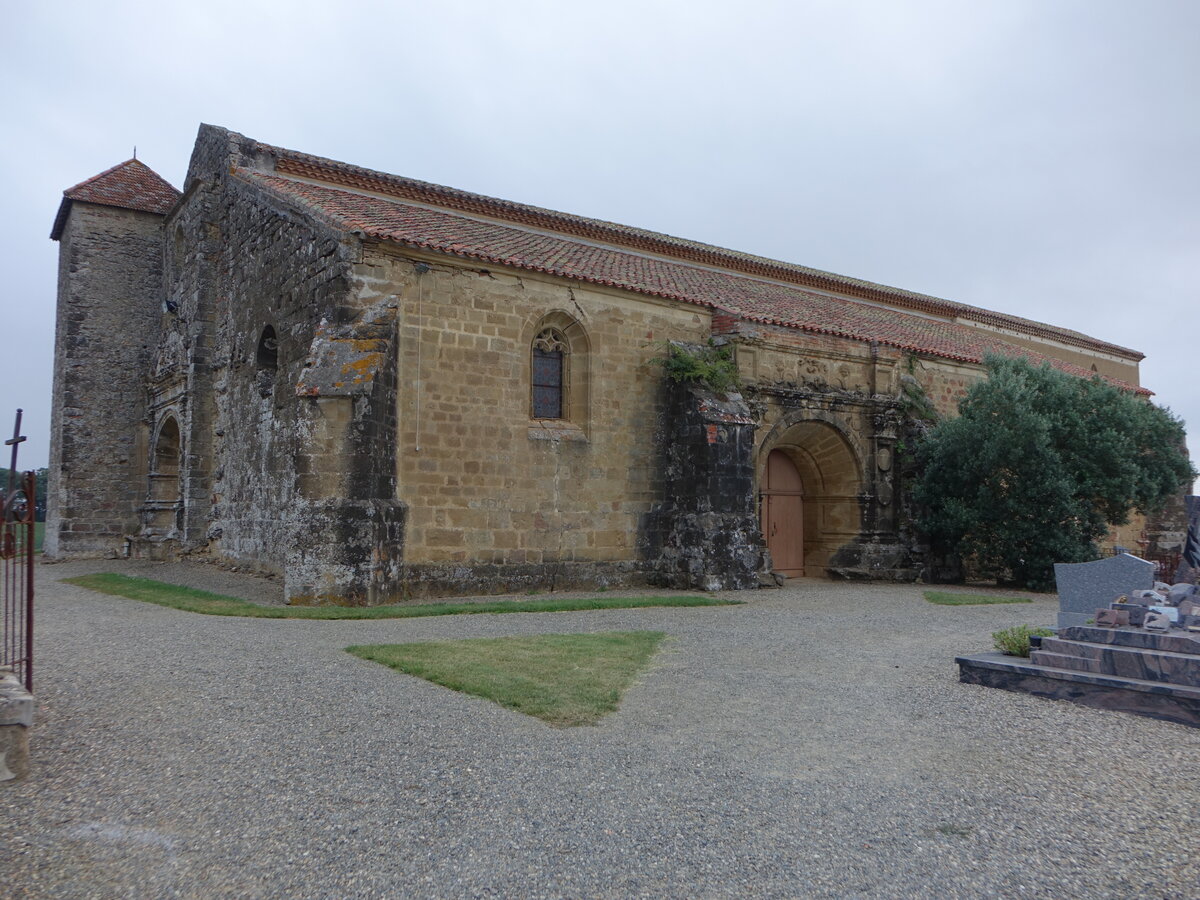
x=1085, y=587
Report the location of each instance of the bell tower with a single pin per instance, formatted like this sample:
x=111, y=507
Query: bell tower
x=110, y=262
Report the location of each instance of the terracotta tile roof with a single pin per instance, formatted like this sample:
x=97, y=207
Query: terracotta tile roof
x=290, y=162
x=128, y=185
x=750, y=299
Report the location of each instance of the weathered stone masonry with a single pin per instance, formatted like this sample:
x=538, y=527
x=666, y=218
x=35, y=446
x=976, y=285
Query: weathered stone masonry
x=332, y=379
x=706, y=532
x=299, y=478
x=110, y=285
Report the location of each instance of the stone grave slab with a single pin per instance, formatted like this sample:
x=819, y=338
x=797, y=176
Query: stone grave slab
x=1085, y=587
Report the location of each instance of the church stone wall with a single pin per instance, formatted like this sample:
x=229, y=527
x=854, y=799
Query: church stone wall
x=945, y=382
x=178, y=383
x=284, y=468
x=281, y=278
x=494, y=498
x=357, y=416
x=109, y=290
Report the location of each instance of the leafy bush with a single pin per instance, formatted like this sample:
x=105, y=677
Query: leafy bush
x=1036, y=467
x=1015, y=641
x=708, y=364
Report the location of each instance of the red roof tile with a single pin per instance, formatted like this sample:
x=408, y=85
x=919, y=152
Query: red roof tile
x=748, y=298
x=128, y=185
x=290, y=162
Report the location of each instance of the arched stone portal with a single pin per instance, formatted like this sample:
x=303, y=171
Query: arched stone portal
x=829, y=515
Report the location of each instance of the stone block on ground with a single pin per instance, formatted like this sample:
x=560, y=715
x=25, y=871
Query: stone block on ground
x=1156, y=621
x=16, y=715
x=1112, y=618
x=1135, y=611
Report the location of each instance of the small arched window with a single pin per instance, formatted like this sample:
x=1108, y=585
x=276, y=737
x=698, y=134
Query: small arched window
x=267, y=356
x=559, y=376
x=551, y=357
x=266, y=361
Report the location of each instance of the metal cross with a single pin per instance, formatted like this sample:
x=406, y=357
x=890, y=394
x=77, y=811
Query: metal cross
x=17, y=438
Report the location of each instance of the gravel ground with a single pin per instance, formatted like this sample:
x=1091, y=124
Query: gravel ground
x=814, y=742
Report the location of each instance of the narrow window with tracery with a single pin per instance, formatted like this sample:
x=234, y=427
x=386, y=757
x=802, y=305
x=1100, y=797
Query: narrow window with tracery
x=549, y=374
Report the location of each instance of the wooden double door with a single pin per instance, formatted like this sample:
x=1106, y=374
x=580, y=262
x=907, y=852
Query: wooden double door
x=783, y=514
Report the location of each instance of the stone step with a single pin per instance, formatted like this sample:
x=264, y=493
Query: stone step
x=157, y=547
x=1156, y=699
x=1119, y=668
x=1173, y=641
x=1125, y=662
x=1067, y=661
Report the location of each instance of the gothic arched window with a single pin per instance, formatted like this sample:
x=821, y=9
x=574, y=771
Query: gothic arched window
x=551, y=356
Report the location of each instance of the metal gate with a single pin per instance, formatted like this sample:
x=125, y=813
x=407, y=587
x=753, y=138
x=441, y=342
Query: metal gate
x=16, y=566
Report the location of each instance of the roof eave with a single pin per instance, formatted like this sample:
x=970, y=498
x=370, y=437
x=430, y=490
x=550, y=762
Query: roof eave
x=60, y=220
x=64, y=209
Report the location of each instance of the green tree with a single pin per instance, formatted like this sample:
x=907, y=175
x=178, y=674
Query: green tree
x=1038, y=464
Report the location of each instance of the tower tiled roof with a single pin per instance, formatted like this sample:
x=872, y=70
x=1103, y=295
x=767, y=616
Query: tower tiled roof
x=754, y=299
x=128, y=185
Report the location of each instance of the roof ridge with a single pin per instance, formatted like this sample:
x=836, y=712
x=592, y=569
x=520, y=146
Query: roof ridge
x=291, y=162
x=107, y=171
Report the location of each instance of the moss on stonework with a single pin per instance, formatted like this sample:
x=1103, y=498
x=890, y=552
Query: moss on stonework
x=706, y=364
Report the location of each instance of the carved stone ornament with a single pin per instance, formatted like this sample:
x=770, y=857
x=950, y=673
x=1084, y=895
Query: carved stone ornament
x=883, y=493
x=549, y=340
x=885, y=425
x=172, y=353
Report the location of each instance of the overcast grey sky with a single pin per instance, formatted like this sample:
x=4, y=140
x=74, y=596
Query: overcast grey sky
x=1040, y=158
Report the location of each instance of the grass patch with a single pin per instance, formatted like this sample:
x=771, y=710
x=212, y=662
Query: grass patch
x=562, y=679
x=210, y=604
x=944, y=599
x=1015, y=641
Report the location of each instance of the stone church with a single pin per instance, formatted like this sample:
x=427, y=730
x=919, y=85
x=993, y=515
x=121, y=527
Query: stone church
x=378, y=388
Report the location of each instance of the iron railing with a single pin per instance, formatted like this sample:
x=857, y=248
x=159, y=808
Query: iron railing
x=17, y=506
